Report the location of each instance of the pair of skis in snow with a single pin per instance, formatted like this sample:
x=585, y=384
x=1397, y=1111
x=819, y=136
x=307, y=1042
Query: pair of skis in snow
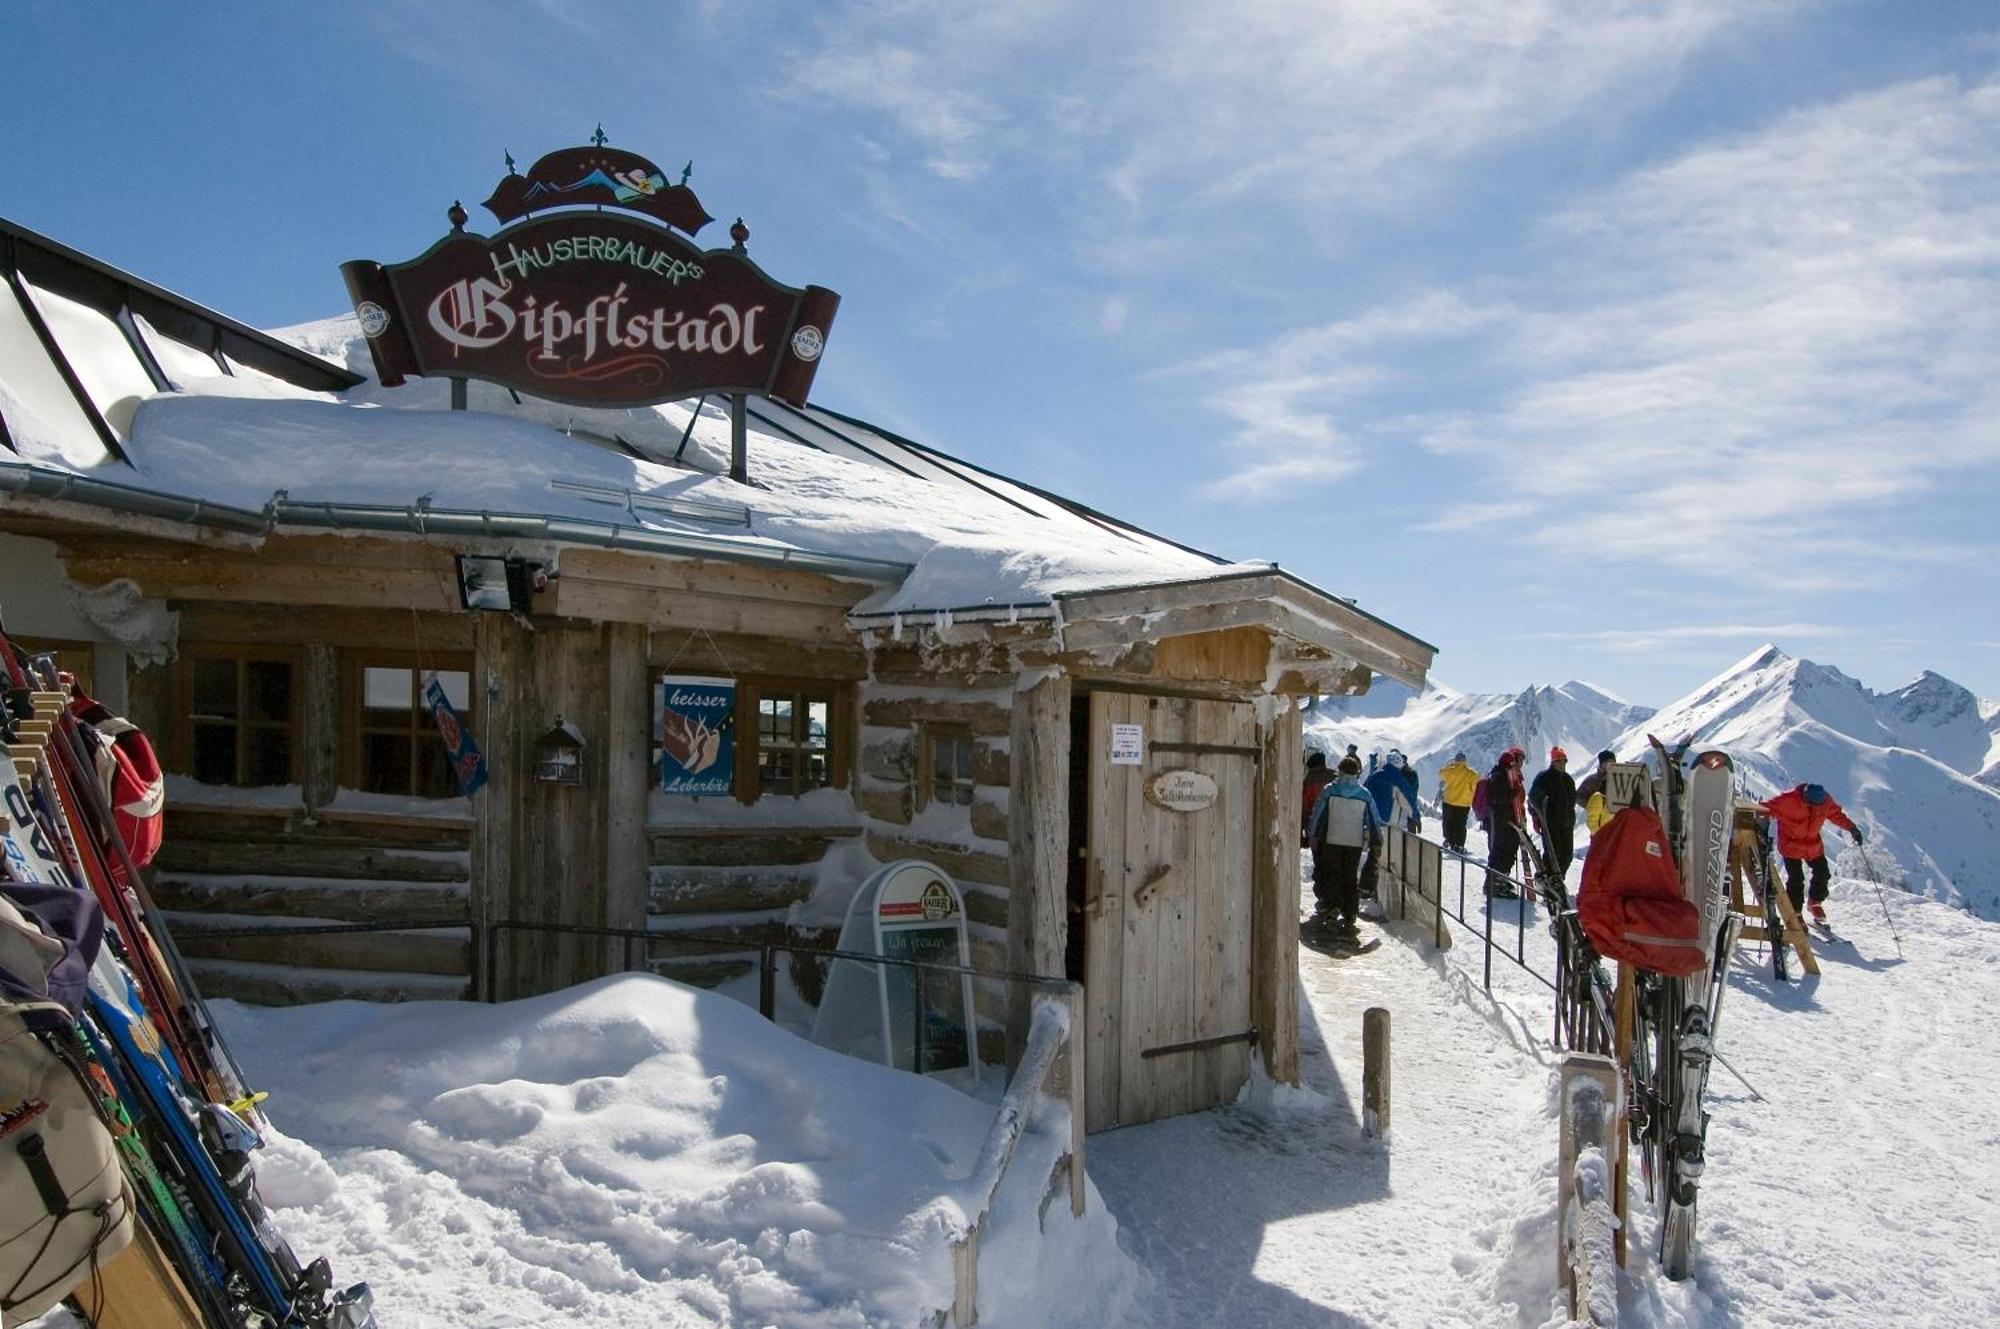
x=1700, y=813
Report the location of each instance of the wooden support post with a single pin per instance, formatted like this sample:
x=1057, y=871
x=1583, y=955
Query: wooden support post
x=1037, y=847
x=1375, y=1071
x=1274, y=903
x=320, y=680
x=628, y=738
x=1625, y=1013
x=1079, y=1036
x=739, y=440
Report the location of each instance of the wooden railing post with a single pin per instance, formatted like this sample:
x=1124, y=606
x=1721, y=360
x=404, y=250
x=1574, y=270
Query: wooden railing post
x=1375, y=1071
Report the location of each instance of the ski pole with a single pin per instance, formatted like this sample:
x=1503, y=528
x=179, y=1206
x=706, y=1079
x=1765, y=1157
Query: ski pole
x=1738, y=1074
x=1876, y=877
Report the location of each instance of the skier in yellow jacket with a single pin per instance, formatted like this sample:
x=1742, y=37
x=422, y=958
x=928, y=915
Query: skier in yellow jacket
x=1457, y=781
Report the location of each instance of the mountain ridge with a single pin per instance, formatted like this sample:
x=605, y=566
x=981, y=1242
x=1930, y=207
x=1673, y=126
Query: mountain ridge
x=1918, y=766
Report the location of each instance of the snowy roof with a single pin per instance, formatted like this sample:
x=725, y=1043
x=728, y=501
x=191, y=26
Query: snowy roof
x=111, y=388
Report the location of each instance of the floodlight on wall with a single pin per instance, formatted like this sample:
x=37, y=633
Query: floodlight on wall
x=505, y=584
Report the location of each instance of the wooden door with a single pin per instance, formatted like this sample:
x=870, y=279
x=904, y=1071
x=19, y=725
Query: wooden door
x=1168, y=943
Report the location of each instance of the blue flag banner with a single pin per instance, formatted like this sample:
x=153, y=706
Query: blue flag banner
x=694, y=743
x=468, y=766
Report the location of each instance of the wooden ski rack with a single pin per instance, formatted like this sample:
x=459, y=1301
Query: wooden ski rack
x=1747, y=860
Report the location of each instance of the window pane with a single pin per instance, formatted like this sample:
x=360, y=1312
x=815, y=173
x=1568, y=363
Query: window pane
x=267, y=756
x=434, y=778
x=214, y=757
x=774, y=769
x=268, y=690
x=775, y=721
x=391, y=690
x=961, y=760
x=457, y=689
x=816, y=723
x=214, y=690
x=385, y=763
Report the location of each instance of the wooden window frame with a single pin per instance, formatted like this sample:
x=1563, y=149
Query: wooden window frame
x=745, y=780
x=929, y=734
x=353, y=679
x=241, y=653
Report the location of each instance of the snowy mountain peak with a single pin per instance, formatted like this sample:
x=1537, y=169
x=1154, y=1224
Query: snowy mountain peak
x=1913, y=766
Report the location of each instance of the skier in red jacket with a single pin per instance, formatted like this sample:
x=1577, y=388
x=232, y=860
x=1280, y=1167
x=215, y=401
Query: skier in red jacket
x=1800, y=813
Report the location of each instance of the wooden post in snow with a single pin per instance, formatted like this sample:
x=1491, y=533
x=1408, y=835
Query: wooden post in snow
x=1375, y=1071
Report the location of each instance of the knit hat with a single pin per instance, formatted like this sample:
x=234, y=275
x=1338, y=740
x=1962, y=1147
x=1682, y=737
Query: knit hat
x=1459, y=755
x=1815, y=794
x=1317, y=760
x=1513, y=756
x=1557, y=754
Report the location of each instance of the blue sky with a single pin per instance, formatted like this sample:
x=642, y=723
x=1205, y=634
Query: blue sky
x=1579, y=338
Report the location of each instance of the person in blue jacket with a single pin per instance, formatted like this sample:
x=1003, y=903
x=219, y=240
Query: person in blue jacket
x=1343, y=824
x=1394, y=789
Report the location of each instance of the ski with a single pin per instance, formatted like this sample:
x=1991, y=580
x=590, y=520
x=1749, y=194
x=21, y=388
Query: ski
x=1768, y=887
x=1707, y=818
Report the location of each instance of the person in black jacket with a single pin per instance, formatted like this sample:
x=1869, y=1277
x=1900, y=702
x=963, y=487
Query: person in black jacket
x=1552, y=799
x=1504, y=797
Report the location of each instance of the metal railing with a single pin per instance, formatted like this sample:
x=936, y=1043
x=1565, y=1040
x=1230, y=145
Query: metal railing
x=1583, y=1019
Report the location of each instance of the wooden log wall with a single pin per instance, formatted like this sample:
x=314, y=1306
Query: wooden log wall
x=971, y=844
x=241, y=868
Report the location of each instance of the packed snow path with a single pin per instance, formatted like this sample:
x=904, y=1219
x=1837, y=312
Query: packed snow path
x=1863, y=1190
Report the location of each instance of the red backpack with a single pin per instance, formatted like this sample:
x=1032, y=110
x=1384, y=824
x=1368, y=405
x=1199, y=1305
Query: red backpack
x=1630, y=901
x=130, y=772
x=1481, y=803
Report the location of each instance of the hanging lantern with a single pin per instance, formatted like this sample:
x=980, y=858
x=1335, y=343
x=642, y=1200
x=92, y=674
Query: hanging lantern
x=559, y=755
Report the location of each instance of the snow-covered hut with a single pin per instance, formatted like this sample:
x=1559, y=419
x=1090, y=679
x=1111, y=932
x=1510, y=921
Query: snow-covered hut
x=261, y=554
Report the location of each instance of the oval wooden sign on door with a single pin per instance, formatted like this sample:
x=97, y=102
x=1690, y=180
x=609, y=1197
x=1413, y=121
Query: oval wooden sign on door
x=1181, y=791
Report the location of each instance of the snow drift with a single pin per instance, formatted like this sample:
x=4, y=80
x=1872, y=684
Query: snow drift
x=633, y=1151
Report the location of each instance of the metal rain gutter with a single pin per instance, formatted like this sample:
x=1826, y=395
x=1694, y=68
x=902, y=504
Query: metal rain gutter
x=22, y=478
x=421, y=519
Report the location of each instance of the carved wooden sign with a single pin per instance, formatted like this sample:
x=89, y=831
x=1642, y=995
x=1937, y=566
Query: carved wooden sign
x=589, y=307
x=1181, y=791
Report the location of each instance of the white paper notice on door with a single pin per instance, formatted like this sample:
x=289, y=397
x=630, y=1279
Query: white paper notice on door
x=1128, y=744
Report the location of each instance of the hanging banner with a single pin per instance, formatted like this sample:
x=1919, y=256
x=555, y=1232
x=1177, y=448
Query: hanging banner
x=694, y=741
x=468, y=765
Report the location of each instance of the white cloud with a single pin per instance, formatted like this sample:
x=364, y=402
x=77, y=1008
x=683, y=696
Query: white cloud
x=1630, y=640
x=1189, y=106
x=1770, y=350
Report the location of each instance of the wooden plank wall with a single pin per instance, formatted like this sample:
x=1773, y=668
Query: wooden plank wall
x=545, y=853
